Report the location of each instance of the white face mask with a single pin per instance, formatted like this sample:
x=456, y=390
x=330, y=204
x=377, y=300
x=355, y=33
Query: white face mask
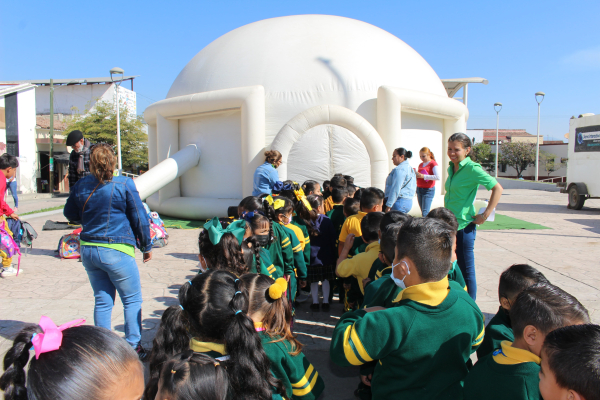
x=289, y=221
x=400, y=282
x=202, y=270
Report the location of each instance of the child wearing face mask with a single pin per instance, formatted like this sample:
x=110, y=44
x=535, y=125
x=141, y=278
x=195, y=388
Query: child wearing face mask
x=414, y=360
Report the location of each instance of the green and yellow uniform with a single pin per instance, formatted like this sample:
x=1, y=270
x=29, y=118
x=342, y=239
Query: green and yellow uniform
x=507, y=373
x=281, y=252
x=218, y=352
x=337, y=218
x=422, y=345
x=379, y=269
x=381, y=293
x=266, y=266
x=359, y=265
x=300, y=224
x=352, y=225
x=456, y=275
x=299, y=266
x=498, y=330
x=299, y=376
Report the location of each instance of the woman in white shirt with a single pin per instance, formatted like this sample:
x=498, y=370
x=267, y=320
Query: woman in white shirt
x=428, y=172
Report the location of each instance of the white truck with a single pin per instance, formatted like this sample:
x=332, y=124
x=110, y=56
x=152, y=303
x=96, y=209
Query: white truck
x=583, y=166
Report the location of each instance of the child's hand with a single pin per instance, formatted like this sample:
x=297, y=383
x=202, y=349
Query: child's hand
x=302, y=283
x=349, y=242
x=366, y=379
x=13, y=216
x=365, y=281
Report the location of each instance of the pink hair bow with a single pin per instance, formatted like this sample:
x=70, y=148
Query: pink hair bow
x=51, y=339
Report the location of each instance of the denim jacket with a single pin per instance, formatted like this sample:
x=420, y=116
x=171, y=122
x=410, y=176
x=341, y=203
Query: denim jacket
x=114, y=213
x=400, y=183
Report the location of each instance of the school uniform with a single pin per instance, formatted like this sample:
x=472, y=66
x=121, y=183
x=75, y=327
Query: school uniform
x=359, y=265
x=299, y=266
x=300, y=224
x=379, y=269
x=323, y=252
x=218, y=352
x=328, y=204
x=507, y=373
x=298, y=375
x=498, y=330
x=337, y=217
x=422, y=345
x=381, y=293
x=352, y=225
x=456, y=275
x=281, y=251
x=266, y=265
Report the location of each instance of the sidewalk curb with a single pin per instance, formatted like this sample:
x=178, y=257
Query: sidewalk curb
x=42, y=214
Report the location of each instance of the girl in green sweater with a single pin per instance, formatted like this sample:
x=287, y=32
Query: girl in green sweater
x=271, y=314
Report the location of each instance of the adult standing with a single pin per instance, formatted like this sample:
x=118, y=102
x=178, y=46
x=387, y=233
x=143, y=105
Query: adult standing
x=464, y=178
x=11, y=184
x=113, y=219
x=266, y=175
x=401, y=183
x=79, y=161
x=427, y=173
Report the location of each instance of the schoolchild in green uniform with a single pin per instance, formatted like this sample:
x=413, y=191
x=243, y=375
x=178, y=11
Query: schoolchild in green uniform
x=422, y=345
x=212, y=318
x=337, y=217
x=220, y=248
x=271, y=315
x=512, y=282
x=513, y=369
x=254, y=246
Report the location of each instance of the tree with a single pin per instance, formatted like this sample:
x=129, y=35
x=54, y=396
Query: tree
x=550, y=163
x=100, y=126
x=517, y=155
x=482, y=153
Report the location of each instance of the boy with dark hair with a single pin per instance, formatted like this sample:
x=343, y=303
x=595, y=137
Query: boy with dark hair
x=448, y=217
x=570, y=367
x=336, y=215
x=382, y=266
x=354, y=192
x=338, y=181
x=351, y=207
x=326, y=189
x=515, y=367
x=423, y=343
x=8, y=167
x=349, y=179
x=371, y=201
x=513, y=281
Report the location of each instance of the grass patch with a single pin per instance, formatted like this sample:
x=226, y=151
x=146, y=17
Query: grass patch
x=43, y=210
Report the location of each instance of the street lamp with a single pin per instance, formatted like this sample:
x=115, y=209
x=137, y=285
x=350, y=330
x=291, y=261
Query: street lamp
x=537, y=146
x=497, y=108
x=118, y=71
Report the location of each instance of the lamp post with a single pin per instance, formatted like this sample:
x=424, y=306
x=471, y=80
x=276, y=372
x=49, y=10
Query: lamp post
x=537, y=146
x=118, y=71
x=497, y=108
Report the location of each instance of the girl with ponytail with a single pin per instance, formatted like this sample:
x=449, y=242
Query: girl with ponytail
x=427, y=173
x=271, y=314
x=71, y=362
x=256, y=256
x=212, y=318
x=221, y=248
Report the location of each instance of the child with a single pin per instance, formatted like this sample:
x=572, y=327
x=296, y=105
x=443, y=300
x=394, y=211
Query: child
x=326, y=189
x=360, y=265
x=423, y=343
x=382, y=266
x=514, y=368
x=336, y=215
x=212, y=318
x=338, y=181
x=284, y=208
x=349, y=179
x=371, y=201
x=8, y=167
x=571, y=364
x=271, y=316
x=220, y=248
x=512, y=282
x=72, y=361
x=311, y=187
x=355, y=192
x=257, y=257
x=190, y=375
x=351, y=207
x=322, y=257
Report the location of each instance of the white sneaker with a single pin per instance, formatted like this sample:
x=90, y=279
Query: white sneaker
x=10, y=271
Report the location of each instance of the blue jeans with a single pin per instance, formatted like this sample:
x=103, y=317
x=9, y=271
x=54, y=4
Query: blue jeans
x=425, y=197
x=13, y=190
x=403, y=204
x=109, y=271
x=465, y=254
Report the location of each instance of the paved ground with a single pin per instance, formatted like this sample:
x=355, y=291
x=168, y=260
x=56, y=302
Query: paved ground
x=567, y=254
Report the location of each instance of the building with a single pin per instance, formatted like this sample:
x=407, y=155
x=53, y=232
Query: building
x=25, y=123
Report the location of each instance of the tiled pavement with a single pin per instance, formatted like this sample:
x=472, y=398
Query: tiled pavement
x=567, y=254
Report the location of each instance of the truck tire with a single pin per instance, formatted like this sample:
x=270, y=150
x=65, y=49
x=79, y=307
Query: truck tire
x=576, y=199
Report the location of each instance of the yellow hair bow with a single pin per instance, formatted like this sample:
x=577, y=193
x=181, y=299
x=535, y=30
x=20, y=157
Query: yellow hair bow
x=269, y=200
x=300, y=196
x=277, y=289
x=277, y=204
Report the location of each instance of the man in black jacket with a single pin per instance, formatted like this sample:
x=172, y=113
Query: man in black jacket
x=79, y=162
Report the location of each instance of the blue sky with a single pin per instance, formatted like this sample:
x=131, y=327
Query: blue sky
x=521, y=47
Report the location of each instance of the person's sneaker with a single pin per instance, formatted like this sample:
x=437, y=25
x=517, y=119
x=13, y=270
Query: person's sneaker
x=142, y=354
x=325, y=307
x=314, y=306
x=11, y=271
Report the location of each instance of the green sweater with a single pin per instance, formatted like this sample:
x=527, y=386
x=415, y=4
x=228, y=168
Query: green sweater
x=497, y=330
x=502, y=381
x=337, y=218
x=301, y=379
x=266, y=266
x=456, y=275
x=381, y=293
x=298, y=266
x=422, y=345
x=281, y=252
x=378, y=269
x=300, y=224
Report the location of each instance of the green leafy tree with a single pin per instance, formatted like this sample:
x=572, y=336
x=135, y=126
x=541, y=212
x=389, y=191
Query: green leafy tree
x=482, y=153
x=548, y=160
x=517, y=155
x=100, y=126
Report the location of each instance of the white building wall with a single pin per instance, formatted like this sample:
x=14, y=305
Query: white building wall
x=559, y=150
x=26, y=174
x=83, y=97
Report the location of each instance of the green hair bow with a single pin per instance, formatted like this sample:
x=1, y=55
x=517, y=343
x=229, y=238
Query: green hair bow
x=216, y=231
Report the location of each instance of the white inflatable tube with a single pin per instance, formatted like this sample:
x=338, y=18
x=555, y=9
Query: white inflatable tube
x=167, y=171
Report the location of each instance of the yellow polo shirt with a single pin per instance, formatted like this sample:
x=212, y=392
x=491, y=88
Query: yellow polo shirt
x=352, y=225
x=359, y=265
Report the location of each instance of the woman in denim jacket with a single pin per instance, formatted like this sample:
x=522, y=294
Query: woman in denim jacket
x=114, y=221
x=401, y=183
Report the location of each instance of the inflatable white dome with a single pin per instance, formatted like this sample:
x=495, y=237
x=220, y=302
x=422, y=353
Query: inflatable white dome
x=332, y=94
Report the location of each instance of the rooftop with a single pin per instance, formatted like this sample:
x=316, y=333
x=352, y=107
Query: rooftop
x=80, y=81
x=43, y=122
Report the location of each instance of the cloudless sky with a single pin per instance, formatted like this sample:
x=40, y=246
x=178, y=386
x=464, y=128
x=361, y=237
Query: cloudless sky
x=521, y=47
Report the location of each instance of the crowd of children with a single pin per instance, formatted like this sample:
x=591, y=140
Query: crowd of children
x=410, y=324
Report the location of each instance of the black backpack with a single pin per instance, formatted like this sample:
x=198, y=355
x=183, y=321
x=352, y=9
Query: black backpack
x=28, y=234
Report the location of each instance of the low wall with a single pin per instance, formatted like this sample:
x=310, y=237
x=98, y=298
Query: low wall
x=524, y=184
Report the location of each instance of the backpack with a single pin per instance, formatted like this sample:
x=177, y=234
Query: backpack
x=159, y=235
x=8, y=245
x=28, y=234
x=15, y=227
x=68, y=246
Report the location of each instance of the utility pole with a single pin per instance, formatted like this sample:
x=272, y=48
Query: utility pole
x=51, y=166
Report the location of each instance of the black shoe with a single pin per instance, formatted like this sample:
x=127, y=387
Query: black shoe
x=142, y=354
x=325, y=307
x=314, y=306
